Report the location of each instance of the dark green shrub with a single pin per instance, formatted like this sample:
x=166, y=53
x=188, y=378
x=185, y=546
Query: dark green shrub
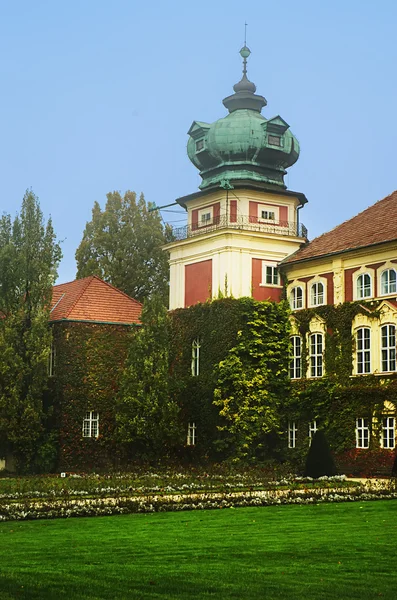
x=319, y=459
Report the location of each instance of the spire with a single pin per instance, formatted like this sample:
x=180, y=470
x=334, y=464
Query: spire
x=245, y=85
x=244, y=96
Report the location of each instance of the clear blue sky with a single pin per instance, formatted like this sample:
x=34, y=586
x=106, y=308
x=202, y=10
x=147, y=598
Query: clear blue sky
x=98, y=96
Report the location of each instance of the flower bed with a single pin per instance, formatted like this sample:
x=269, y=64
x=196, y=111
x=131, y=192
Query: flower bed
x=99, y=501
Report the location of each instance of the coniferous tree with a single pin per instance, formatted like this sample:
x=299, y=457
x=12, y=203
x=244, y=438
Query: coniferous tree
x=123, y=245
x=147, y=413
x=29, y=257
x=319, y=461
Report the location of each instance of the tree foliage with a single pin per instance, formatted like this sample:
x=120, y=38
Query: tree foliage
x=29, y=257
x=123, y=245
x=146, y=413
x=252, y=381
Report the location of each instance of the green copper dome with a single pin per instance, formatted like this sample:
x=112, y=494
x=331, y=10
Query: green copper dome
x=243, y=145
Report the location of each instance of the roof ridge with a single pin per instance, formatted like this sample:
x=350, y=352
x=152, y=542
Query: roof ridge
x=89, y=280
x=117, y=289
x=73, y=281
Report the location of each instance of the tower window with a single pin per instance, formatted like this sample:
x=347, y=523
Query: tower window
x=274, y=140
x=270, y=275
x=269, y=215
x=199, y=145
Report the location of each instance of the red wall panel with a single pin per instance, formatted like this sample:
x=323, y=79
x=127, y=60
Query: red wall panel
x=349, y=283
x=253, y=212
x=330, y=286
x=233, y=211
x=262, y=292
x=198, y=282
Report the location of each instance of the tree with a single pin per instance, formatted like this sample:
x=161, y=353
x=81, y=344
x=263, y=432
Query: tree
x=146, y=412
x=29, y=257
x=252, y=381
x=319, y=459
x=123, y=245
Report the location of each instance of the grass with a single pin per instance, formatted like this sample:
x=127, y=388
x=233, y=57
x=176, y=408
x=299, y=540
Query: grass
x=328, y=551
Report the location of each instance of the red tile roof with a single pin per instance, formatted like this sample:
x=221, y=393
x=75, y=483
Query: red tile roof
x=91, y=299
x=375, y=225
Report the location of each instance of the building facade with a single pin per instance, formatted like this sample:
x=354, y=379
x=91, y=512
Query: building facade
x=244, y=238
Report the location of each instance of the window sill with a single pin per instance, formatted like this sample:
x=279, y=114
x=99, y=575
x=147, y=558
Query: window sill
x=273, y=285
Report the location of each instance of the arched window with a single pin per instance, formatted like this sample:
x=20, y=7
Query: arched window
x=364, y=286
x=196, y=345
x=363, y=347
x=388, y=335
x=388, y=282
x=296, y=298
x=316, y=354
x=317, y=294
x=295, y=368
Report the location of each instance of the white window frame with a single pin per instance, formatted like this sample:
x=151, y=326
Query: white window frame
x=292, y=429
x=317, y=293
x=201, y=142
x=52, y=360
x=387, y=286
x=295, y=369
x=203, y=212
x=270, y=210
x=195, y=365
x=91, y=424
x=296, y=302
x=388, y=348
x=312, y=429
x=362, y=433
x=270, y=271
x=363, y=286
x=191, y=434
x=363, y=350
x=316, y=357
x=388, y=436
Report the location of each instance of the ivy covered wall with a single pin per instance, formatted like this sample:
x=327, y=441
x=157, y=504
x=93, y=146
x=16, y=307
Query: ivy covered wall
x=338, y=398
x=242, y=399
x=89, y=361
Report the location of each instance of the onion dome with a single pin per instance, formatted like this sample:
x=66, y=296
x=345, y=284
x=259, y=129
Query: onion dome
x=243, y=146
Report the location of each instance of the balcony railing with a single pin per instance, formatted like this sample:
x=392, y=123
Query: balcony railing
x=245, y=223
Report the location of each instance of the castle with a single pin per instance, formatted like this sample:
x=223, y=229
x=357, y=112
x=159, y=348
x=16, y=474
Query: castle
x=244, y=239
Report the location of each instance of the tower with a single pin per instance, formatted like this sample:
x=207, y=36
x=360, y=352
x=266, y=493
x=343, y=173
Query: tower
x=243, y=221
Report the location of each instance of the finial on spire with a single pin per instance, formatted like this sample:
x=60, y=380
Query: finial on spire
x=245, y=51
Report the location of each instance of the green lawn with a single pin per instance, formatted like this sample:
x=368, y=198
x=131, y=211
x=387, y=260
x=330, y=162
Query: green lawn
x=339, y=551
